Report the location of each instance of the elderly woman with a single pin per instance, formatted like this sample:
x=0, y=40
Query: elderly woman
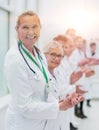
x=54, y=54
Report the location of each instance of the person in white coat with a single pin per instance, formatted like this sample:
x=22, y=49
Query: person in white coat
x=92, y=54
x=66, y=74
x=54, y=55
x=28, y=80
x=80, y=61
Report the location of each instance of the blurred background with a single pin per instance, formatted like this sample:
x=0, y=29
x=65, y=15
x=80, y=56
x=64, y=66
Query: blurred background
x=56, y=17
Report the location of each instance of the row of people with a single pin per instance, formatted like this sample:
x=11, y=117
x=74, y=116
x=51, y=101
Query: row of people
x=75, y=68
x=46, y=86
x=91, y=60
x=85, y=59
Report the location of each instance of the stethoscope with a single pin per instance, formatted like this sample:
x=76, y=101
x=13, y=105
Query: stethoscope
x=36, y=76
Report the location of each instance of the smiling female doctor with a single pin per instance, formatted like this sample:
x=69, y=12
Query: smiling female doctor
x=28, y=79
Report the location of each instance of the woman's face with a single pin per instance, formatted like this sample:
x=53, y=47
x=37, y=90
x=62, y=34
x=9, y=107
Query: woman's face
x=81, y=44
x=28, y=30
x=69, y=49
x=54, y=57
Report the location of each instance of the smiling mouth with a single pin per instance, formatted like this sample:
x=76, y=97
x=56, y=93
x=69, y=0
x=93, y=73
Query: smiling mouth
x=31, y=37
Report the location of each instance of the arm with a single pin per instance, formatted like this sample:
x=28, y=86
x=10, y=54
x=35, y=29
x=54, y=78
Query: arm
x=75, y=76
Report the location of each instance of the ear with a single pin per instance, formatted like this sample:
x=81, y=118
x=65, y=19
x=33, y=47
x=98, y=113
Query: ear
x=16, y=28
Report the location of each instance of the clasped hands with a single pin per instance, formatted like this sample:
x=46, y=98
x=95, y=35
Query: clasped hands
x=70, y=100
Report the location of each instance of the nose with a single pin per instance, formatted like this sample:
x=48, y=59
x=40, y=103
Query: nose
x=30, y=32
x=57, y=59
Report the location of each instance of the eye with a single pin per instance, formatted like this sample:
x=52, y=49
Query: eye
x=53, y=54
x=35, y=26
x=25, y=27
x=59, y=56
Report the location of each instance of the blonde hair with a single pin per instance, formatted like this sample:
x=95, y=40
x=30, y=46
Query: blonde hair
x=26, y=13
x=70, y=30
x=52, y=44
x=60, y=38
x=79, y=38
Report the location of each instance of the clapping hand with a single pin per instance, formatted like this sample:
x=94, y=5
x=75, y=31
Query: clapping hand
x=70, y=101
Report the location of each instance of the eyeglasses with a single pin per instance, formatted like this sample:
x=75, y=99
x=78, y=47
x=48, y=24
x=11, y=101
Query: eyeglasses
x=53, y=55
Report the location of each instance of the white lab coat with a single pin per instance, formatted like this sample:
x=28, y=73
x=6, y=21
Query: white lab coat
x=63, y=88
x=62, y=121
x=28, y=109
x=67, y=68
x=76, y=57
x=89, y=81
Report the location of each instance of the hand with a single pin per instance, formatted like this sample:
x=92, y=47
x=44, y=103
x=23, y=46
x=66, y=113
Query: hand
x=83, y=62
x=97, y=62
x=75, y=76
x=78, y=98
x=93, y=61
x=65, y=103
x=89, y=72
x=70, y=101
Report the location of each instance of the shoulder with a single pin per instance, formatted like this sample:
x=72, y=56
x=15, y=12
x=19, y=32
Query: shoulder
x=13, y=50
x=13, y=56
